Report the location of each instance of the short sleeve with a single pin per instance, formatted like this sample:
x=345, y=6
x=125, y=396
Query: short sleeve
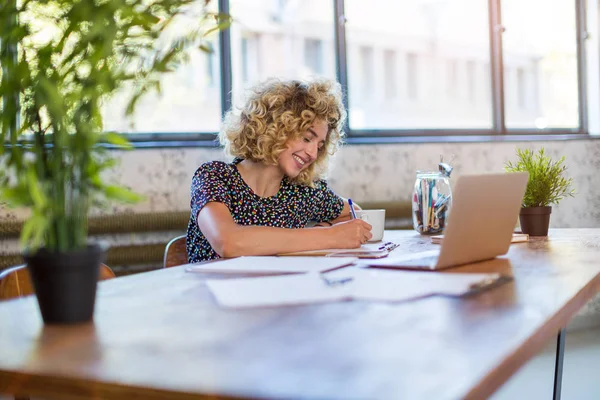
x=209, y=184
x=329, y=205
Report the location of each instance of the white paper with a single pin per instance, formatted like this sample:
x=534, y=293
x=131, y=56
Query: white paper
x=275, y=291
x=374, y=285
x=365, y=248
x=266, y=265
x=393, y=285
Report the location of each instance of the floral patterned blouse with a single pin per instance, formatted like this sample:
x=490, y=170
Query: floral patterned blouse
x=292, y=207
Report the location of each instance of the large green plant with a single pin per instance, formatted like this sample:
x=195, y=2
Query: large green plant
x=547, y=184
x=60, y=60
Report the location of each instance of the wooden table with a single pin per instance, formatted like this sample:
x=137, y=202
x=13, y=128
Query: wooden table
x=161, y=335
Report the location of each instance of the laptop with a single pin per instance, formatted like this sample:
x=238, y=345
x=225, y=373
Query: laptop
x=480, y=223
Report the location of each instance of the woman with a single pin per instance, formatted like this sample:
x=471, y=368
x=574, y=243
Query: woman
x=281, y=142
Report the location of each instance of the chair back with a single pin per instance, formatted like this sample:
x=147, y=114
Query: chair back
x=175, y=252
x=16, y=281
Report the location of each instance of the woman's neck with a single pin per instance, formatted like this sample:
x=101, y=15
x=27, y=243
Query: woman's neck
x=264, y=180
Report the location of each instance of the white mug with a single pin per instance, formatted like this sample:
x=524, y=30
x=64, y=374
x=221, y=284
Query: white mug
x=377, y=220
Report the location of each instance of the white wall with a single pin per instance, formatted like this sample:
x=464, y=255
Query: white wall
x=376, y=172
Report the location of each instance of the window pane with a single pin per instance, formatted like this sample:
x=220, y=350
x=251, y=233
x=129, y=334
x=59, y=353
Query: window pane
x=540, y=64
x=412, y=77
x=439, y=51
x=280, y=38
x=389, y=74
x=366, y=60
x=190, y=98
x=313, y=55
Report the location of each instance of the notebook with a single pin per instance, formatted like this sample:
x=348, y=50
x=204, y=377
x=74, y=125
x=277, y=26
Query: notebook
x=480, y=225
x=269, y=265
x=516, y=238
x=369, y=250
x=386, y=286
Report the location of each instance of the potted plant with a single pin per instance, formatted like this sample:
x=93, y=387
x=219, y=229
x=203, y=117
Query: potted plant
x=61, y=59
x=547, y=185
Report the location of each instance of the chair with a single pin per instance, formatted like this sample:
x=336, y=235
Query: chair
x=175, y=252
x=16, y=282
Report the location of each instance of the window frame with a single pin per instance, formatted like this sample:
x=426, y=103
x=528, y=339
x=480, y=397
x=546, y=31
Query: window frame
x=498, y=132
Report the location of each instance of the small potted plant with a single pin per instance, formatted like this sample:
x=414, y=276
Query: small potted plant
x=547, y=185
x=61, y=60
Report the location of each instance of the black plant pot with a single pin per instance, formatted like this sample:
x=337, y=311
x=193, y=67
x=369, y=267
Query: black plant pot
x=65, y=283
x=535, y=220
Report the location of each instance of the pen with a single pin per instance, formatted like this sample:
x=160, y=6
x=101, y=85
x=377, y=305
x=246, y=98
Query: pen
x=351, y=208
x=336, y=282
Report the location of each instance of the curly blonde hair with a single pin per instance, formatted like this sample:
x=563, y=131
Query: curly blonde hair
x=277, y=111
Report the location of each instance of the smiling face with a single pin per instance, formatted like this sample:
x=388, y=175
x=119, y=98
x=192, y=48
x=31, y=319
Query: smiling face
x=303, y=151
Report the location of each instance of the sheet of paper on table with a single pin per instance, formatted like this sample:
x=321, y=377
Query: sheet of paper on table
x=369, y=250
x=366, y=284
x=267, y=265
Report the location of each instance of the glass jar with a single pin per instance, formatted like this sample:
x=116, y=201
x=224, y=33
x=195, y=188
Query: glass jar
x=432, y=198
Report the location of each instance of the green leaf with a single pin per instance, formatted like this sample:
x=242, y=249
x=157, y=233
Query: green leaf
x=116, y=139
x=35, y=189
x=122, y=194
x=223, y=22
x=130, y=109
x=16, y=196
x=206, y=48
x=33, y=231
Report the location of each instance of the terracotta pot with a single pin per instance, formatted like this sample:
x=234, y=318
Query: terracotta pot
x=65, y=283
x=535, y=220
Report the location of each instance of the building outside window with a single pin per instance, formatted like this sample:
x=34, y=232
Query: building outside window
x=283, y=39
x=542, y=35
x=367, y=77
x=390, y=70
x=472, y=79
x=451, y=79
x=434, y=53
x=313, y=55
x=412, y=76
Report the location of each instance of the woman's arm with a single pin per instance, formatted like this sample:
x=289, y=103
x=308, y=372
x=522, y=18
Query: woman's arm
x=229, y=239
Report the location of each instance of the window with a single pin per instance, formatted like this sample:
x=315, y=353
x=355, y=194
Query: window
x=472, y=79
x=211, y=66
x=439, y=46
x=313, y=55
x=540, y=38
x=486, y=84
x=451, y=79
x=412, y=84
x=521, y=89
x=406, y=66
x=245, y=62
x=280, y=39
x=189, y=100
x=389, y=74
x=366, y=61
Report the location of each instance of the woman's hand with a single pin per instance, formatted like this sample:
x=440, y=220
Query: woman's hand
x=351, y=234
x=345, y=215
